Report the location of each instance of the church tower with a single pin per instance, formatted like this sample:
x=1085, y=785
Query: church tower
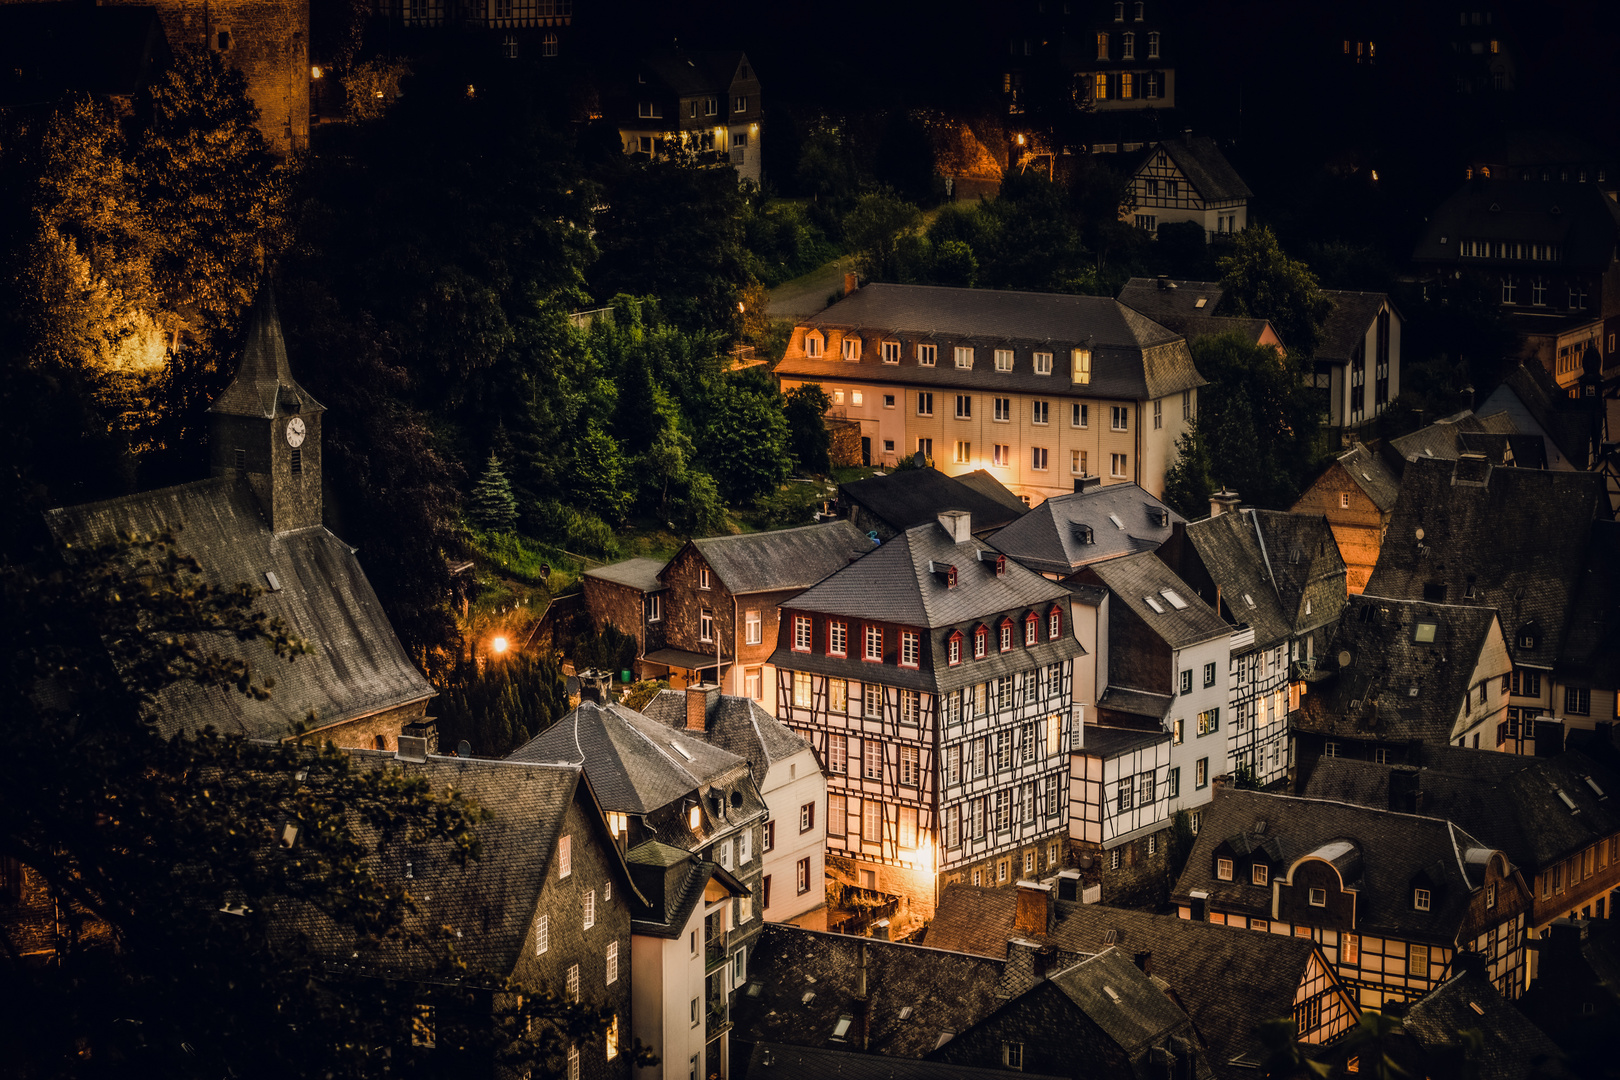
x=267, y=428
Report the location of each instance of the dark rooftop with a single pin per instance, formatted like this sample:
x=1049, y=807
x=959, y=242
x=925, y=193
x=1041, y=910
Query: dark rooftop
x=783, y=558
x=1150, y=589
x=1160, y=298
x=914, y=497
x=1280, y=573
x=1347, y=324
x=1069, y=531
x=736, y=724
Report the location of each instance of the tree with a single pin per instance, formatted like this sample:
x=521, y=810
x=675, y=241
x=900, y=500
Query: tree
x=1264, y=283
x=746, y=445
x=873, y=229
x=492, y=506
x=499, y=705
x=1258, y=429
x=808, y=439
x=169, y=859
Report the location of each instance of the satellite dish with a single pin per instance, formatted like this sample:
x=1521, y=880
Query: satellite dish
x=463, y=748
x=1344, y=658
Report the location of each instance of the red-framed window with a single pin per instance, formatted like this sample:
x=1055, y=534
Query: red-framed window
x=1006, y=635
x=1032, y=631
x=950, y=577
x=953, y=648
x=981, y=642
x=1054, y=623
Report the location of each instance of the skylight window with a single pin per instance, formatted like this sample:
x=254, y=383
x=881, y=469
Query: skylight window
x=1567, y=801
x=1118, y=524
x=681, y=750
x=1247, y=599
x=1154, y=604
x=1174, y=597
x=1593, y=784
x=1201, y=301
x=1424, y=632
x=842, y=1027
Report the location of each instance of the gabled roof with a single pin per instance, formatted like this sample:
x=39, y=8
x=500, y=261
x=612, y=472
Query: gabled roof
x=1133, y=357
x=1368, y=472
x=1539, y=406
x=1193, y=327
x=783, y=558
x=1583, y=222
x=264, y=385
x=1162, y=298
x=1270, y=566
x=689, y=73
x=636, y=573
x=1510, y=1047
x=1121, y=519
x=671, y=882
x=636, y=764
x=1347, y=324
x=1394, y=687
x=488, y=903
x=320, y=591
x=895, y=583
x=1122, y=1001
x=1512, y=539
x=1205, y=167
x=1445, y=438
x=985, y=483
x=914, y=497
x=739, y=725
x=1510, y=802
x=802, y=981
x=1133, y=579
x=1394, y=849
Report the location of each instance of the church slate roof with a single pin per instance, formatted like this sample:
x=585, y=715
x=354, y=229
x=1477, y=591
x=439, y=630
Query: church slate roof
x=1395, y=688
x=783, y=558
x=264, y=383
x=903, y=500
x=736, y=724
x=1510, y=539
x=358, y=666
x=1133, y=358
x=1047, y=538
x=1393, y=850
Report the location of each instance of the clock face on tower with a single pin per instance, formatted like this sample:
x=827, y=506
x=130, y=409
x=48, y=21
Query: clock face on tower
x=295, y=432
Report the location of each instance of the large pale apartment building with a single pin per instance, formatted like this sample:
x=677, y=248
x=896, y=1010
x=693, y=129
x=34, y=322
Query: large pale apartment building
x=1041, y=389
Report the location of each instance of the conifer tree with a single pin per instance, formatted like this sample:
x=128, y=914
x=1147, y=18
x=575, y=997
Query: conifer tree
x=492, y=506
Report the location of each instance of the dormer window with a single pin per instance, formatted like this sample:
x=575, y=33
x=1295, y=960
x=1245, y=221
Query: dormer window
x=953, y=648
x=1318, y=897
x=1054, y=623
x=1031, y=629
x=812, y=345
x=852, y=348
x=1420, y=899
x=1001, y=566
x=950, y=577
x=801, y=633
x=1424, y=631
x=1223, y=869
x=1260, y=874
x=981, y=643
x=1006, y=635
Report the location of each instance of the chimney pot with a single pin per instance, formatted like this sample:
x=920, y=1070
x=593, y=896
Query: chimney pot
x=1223, y=502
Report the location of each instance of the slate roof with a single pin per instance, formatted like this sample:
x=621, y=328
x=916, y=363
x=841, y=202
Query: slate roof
x=637, y=573
x=1201, y=162
x=790, y=963
x=1582, y=221
x=672, y=883
x=1048, y=539
x=693, y=72
x=1510, y=1047
x=1194, y=327
x=779, y=1061
x=1122, y=1001
x=985, y=483
x=1133, y=578
x=1538, y=406
x=1368, y=472
x=1270, y=565
x=1393, y=850
x=1592, y=638
x=895, y=584
x=1122, y=699
x=1395, y=688
x=1172, y=298
x=739, y=725
x=264, y=385
x=489, y=902
x=1510, y=802
x=783, y=558
x=1445, y=438
x=357, y=666
x=1520, y=535
x=1346, y=326
x=914, y=497
x=1106, y=742
x=1133, y=358
x=633, y=760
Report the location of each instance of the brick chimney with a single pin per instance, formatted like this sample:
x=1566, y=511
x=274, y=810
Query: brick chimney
x=1034, y=908
x=700, y=699
x=1223, y=502
x=850, y=284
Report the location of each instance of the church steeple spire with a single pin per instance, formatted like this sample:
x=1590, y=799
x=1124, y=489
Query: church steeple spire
x=267, y=428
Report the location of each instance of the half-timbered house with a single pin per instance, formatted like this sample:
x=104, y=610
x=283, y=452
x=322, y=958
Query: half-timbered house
x=1391, y=898
x=933, y=678
x=1278, y=581
x=1356, y=493
x=1187, y=179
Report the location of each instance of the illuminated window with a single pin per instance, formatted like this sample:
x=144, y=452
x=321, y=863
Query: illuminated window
x=1417, y=964
x=802, y=696
x=964, y=452
x=565, y=857
x=1099, y=87
x=1102, y=48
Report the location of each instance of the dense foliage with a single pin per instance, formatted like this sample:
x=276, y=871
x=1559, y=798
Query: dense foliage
x=499, y=703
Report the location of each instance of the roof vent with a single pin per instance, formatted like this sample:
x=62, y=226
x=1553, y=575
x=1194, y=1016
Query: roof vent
x=271, y=580
x=1110, y=937
x=1118, y=524
x=1113, y=995
x=1159, y=516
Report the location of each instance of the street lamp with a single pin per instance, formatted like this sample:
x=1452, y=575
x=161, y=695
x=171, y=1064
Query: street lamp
x=498, y=644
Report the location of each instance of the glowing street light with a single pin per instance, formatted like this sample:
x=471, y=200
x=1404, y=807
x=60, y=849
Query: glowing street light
x=499, y=645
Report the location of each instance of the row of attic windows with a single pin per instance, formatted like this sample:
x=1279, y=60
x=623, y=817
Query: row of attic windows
x=836, y=635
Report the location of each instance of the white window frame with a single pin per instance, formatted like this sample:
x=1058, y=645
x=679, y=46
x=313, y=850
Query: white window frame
x=964, y=357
